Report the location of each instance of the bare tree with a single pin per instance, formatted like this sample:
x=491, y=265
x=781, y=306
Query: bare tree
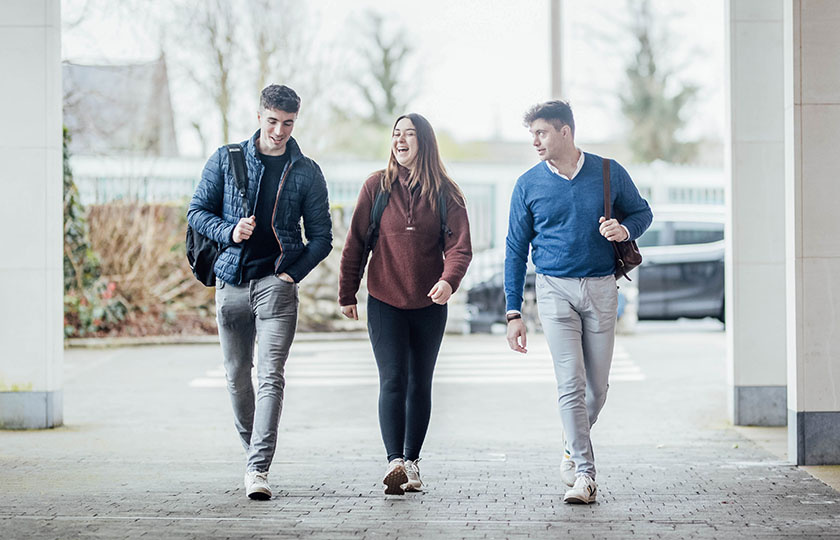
x=382, y=85
x=217, y=23
x=284, y=52
x=280, y=47
x=206, y=51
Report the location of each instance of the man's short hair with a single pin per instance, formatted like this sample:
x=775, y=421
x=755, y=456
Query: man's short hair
x=556, y=112
x=279, y=97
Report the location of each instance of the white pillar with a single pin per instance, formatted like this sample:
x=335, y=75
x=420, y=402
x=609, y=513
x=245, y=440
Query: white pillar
x=755, y=228
x=812, y=126
x=31, y=292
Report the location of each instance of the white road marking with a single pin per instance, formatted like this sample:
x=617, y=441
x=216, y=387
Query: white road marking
x=325, y=367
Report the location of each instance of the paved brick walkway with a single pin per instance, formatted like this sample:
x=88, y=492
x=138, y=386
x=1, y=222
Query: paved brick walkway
x=149, y=451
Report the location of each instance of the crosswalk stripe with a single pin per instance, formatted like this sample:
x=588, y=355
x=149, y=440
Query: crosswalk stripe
x=443, y=379
x=470, y=367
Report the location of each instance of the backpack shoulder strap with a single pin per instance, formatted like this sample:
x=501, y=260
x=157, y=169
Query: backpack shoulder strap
x=379, y=204
x=237, y=161
x=380, y=201
x=445, y=231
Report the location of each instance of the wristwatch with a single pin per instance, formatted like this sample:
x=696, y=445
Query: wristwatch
x=513, y=316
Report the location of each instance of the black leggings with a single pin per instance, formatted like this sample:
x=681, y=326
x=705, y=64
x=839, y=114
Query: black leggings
x=406, y=344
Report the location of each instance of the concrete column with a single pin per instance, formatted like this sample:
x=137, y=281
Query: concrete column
x=812, y=127
x=31, y=337
x=755, y=227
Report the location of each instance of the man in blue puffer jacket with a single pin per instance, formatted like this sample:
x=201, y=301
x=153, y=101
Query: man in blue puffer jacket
x=262, y=259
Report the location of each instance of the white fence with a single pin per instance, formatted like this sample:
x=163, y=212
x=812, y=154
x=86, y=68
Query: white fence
x=487, y=186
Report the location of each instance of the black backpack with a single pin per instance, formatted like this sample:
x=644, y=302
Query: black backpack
x=379, y=204
x=202, y=252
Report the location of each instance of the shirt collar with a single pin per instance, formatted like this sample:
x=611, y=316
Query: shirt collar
x=579, y=166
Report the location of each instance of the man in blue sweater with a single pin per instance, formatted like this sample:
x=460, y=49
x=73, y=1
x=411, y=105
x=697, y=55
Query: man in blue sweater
x=557, y=210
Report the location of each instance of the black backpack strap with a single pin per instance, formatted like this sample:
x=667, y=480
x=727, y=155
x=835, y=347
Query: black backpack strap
x=379, y=204
x=237, y=160
x=380, y=201
x=445, y=231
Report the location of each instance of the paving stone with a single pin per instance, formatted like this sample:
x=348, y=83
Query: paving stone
x=147, y=454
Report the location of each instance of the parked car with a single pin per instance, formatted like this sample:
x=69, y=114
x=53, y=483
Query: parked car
x=683, y=270
x=486, y=303
x=682, y=274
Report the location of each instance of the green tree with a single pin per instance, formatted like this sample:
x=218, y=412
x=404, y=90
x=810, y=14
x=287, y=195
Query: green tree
x=653, y=100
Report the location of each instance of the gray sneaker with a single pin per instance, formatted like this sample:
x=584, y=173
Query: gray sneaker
x=583, y=492
x=256, y=485
x=395, y=477
x=412, y=471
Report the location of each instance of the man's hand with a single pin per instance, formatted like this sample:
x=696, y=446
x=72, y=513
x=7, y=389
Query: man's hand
x=516, y=335
x=244, y=229
x=350, y=312
x=612, y=230
x=441, y=292
x=286, y=277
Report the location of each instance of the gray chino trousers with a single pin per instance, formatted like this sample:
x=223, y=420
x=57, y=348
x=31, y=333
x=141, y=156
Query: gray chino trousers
x=578, y=318
x=264, y=310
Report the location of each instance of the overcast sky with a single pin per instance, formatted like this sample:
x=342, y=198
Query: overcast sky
x=481, y=63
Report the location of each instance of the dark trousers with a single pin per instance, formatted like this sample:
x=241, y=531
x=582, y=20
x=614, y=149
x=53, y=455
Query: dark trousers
x=406, y=344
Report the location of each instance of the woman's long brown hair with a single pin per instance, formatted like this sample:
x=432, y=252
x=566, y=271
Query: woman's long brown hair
x=428, y=171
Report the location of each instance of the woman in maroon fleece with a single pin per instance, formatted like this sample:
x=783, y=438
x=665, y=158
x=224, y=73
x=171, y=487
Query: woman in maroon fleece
x=410, y=279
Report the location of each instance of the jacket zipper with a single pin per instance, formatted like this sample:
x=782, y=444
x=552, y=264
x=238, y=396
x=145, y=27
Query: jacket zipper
x=274, y=212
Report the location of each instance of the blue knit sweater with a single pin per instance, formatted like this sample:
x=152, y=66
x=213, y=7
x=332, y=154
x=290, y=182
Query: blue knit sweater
x=558, y=219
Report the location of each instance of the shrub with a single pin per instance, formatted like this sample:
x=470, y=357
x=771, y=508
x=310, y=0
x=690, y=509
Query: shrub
x=91, y=304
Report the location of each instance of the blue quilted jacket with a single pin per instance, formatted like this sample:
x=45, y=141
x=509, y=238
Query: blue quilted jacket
x=215, y=209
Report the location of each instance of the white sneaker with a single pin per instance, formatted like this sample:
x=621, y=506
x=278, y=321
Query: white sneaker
x=412, y=471
x=567, y=471
x=583, y=492
x=256, y=485
x=395, y=477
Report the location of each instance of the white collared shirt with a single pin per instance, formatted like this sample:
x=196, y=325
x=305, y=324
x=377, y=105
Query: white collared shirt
x=579, y=166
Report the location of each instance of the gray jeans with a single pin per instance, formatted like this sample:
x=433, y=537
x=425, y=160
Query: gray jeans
x=578, y=319
x=266, y=310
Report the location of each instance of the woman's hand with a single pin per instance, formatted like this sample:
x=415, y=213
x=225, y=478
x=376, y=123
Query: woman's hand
x=441, y=292
x=350, y=312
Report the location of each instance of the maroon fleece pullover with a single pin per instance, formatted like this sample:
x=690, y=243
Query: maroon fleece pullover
x=407, y=260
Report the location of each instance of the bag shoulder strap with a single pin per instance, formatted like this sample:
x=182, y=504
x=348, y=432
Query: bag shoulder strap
x=607, y=204
x=445, y=231
x=380, y=201
x=379, y=204
x=237, y=160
